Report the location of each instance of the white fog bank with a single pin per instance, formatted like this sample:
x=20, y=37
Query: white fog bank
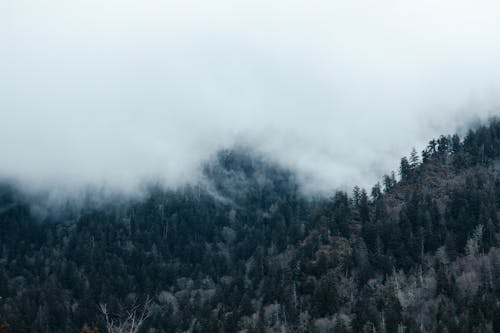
x=116, y=93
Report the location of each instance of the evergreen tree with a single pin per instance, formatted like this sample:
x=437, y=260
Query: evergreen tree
x=405, y=169
x=414, y=159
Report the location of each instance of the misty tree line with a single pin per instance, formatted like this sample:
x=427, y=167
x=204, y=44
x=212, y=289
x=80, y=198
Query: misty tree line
x=247, y=252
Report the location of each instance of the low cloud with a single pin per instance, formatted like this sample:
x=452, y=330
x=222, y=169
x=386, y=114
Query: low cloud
x=112, y=94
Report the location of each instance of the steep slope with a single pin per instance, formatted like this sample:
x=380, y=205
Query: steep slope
x=244, y=251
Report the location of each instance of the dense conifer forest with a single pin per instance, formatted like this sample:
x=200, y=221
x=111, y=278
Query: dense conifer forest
x=245, y=251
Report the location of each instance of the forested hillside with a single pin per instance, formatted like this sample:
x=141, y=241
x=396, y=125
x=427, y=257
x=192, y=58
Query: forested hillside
x=245, y=250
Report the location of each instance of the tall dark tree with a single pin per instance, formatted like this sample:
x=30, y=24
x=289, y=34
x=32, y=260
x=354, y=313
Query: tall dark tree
x=405, y=169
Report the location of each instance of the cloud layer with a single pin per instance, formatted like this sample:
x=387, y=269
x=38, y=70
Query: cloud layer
x=114, y=93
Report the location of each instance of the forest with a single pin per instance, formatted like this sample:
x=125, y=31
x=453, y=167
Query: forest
x=245, y=250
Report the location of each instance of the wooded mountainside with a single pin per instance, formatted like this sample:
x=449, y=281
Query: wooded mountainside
x=246, y=251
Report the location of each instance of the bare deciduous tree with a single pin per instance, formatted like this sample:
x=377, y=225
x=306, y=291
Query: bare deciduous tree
x=129, y=322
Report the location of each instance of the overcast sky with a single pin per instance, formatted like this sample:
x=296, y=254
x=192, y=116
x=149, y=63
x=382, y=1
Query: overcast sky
x=118, y=92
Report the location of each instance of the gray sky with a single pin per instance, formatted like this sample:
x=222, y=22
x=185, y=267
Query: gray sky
x=116, y=92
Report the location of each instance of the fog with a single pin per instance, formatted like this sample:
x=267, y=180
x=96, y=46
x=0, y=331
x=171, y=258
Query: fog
x=118, y=93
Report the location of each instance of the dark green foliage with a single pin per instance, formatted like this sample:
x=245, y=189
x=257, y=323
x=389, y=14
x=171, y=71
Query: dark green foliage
x=325, y=298
x=389, y=181
x=405, y=169
x=246, y=251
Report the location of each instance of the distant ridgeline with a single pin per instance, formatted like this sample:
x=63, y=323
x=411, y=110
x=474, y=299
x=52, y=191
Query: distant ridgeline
x=245, y=251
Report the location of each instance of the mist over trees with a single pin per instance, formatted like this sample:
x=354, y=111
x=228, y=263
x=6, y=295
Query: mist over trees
x=247, y=252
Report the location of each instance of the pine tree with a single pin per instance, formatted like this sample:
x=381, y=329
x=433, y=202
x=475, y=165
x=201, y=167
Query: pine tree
x=364, y=208
x=356, y=193
x=405, y=169
x=376, y=192
x=414, y=159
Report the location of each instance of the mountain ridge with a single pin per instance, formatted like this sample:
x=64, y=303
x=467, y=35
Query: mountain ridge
x=247, y=252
